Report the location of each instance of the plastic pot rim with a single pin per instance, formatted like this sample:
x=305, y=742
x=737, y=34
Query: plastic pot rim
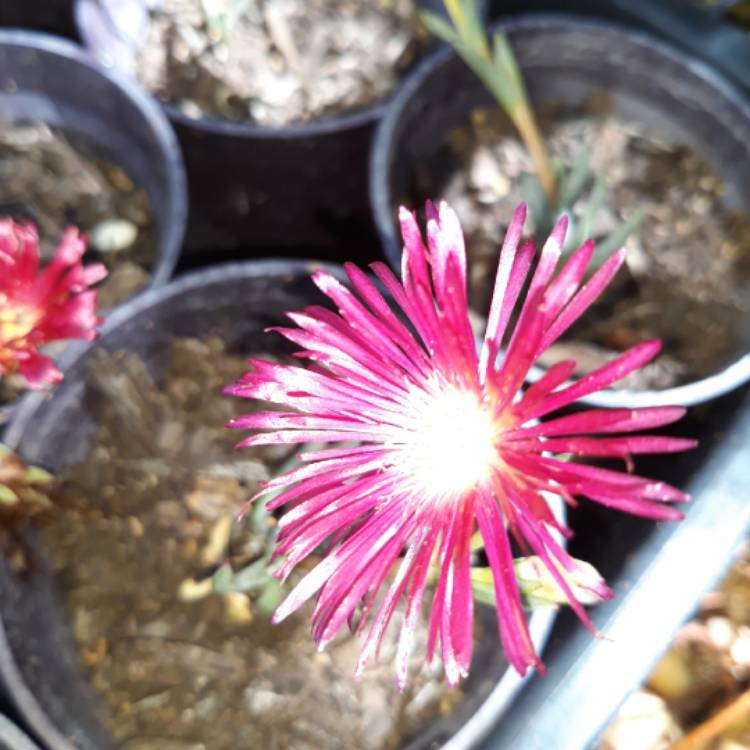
x=12, y=738
x=475, y=729
x=694, y=392
x=175, y=216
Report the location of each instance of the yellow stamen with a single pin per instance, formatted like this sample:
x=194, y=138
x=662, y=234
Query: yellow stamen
x=16, y=321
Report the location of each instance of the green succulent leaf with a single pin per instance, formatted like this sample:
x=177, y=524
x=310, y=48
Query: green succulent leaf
x=254, y=576
x=270, y=597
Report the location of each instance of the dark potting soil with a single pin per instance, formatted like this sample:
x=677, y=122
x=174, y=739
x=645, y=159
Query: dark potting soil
x=276, y=62
x=181, y=667
x=687, y=279
x=56, y=181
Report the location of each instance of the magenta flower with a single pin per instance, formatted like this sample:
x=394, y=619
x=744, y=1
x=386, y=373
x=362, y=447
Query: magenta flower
x=38, y=307
x=439, y=442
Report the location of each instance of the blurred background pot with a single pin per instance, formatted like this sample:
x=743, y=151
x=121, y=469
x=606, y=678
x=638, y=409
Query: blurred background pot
x=82, y=145
x=38, y=658
x=566, y=61
x=703, y=28
x=51, y=81
x=303, y=185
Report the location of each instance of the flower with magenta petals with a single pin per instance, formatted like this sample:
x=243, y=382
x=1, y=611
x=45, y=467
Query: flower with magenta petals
x=439, y=444
x=41, y=306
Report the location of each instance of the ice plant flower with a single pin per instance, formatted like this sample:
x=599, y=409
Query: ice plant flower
x=41, y=306
x=439, y=441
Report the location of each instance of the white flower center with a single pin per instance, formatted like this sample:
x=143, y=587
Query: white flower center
x=448, y=441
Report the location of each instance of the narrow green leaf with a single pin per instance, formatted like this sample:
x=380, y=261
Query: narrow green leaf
x=455, y=10
x=439, y=27
x=474, y=32
x=617, y=239
x=533, y=195
x=259, y=517
x=509, y=71
x=573, y=180
x=592, y=208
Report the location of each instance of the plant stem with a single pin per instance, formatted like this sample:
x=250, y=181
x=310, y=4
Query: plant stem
x=524, y=120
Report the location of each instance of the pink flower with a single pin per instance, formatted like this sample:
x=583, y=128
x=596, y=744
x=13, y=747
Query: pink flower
x=38, y=307
x=438, y=441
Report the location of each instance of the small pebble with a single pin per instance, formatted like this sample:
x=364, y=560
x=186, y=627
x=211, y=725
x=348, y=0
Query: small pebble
x=113, y=235
x=643, y=723
x=192, y=591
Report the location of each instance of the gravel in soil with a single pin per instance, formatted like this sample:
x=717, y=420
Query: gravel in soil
x=180, y=668
x=687, y=279
x=277, y=62
x=56, y=181
x=697, y=693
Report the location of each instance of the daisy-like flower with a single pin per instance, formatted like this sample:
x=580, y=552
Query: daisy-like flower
x=439, y=441
x=41, y=306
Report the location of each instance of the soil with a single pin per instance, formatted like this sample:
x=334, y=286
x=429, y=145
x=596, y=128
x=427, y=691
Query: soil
x=687, y=280
x=180, y=667
x=706, y=669
x=278, y=61
x=55, y=180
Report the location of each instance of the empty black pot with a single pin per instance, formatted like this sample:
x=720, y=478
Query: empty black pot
x=38, y=659
x=46, y=79
x=252, y=186
x=565, y=60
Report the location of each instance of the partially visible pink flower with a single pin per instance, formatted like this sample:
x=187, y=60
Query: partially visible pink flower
x=41, y=306
x=438, y=441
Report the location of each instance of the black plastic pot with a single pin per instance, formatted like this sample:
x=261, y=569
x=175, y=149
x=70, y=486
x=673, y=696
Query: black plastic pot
x=46, y=79
x=38, y=663
x=51, y=16
x=255, y=187
x=565, y=60
x=702, y=31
